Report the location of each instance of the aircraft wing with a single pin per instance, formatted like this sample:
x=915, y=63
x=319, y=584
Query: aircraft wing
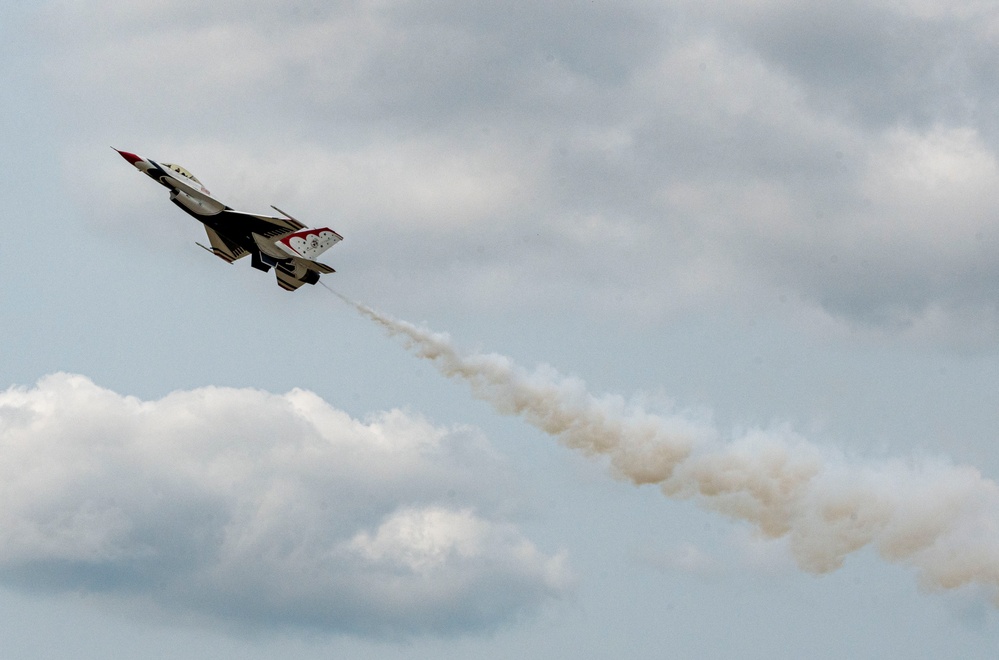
x=231, y=232
x=224, y=248
x=277, y=225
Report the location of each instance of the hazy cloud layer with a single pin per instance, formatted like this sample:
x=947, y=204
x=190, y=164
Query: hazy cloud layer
x=261, y=509
x=634, y=157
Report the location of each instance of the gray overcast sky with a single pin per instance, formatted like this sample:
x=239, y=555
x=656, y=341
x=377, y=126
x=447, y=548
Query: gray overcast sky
x=771, y=223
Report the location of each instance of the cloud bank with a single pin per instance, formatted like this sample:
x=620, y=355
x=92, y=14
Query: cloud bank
x=630, y=157
x=257, y=509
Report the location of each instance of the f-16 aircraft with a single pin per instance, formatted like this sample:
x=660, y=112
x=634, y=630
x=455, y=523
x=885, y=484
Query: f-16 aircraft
x=283, y=243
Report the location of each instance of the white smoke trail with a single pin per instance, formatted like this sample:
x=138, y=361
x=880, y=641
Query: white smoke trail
x=941, y=519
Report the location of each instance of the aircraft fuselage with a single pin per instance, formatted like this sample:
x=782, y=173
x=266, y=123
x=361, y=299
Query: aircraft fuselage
x=282, y=243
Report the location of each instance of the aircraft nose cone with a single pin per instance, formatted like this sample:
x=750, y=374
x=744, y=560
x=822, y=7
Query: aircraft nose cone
x=130, y=157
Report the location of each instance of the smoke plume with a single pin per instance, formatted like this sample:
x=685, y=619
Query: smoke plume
x=939, y=518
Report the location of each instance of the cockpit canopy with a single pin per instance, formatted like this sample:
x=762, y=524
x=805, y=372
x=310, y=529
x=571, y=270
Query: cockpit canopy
x=183, y=172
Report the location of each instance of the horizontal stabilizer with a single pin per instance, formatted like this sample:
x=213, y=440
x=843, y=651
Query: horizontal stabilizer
x=292, y=275
x=314, y=265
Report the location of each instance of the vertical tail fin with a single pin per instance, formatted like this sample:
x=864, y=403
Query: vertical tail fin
x=309, y=243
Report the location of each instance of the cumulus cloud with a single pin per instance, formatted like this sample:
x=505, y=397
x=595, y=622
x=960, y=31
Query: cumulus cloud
x=641, y=158
x=259, y=509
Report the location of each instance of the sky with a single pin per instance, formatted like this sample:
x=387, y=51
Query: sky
x=676, y=331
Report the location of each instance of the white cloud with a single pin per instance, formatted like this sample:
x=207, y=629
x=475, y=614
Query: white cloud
x=933, y=191
x=680, y=155
x=243, y=506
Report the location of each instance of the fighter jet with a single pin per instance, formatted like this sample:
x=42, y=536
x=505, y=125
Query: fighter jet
x=282, y=243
